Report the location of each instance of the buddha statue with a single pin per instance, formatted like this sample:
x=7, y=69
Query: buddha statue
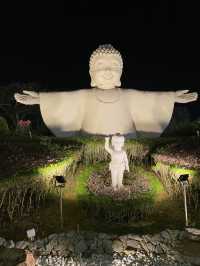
x=106, y=108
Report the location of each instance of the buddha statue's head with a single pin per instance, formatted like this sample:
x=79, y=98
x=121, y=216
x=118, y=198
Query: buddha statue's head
x=106, y=67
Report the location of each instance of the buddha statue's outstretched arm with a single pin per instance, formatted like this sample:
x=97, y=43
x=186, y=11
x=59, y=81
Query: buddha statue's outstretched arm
x=152, y=110
x=62, y=112
x=28, y=97
x=182, y=96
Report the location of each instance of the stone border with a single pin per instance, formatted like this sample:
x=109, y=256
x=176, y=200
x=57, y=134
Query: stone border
x=111, y=247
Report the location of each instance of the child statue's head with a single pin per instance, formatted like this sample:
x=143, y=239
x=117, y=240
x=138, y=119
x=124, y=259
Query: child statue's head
x=106, y=67
x=117, y=142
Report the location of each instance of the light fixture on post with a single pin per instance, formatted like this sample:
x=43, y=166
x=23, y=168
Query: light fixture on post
x=183, y=179
x=60, y=183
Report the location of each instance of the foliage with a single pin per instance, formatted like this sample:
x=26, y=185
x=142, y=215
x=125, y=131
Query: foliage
x=99, y=184
x=169, y=175
x=79, y=158
x=24, y=128
x=184, y=152
x=26, y=190
x=171, y=185
x=4, y=130
x=107, y=208
x=183, y=129
x=93, y=150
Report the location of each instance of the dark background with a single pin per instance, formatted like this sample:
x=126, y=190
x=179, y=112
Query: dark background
x=50, y=43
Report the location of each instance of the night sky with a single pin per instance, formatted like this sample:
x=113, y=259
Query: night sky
x=50, y=44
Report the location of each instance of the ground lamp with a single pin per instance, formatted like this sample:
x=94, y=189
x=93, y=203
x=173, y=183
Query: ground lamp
x=183, y=179
x=60, y=183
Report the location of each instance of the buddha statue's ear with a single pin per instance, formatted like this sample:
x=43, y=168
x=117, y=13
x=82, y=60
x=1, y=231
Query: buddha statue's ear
x=92, y=83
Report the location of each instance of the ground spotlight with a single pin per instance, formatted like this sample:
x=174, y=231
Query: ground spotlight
x=60, y=183
x=59, y=180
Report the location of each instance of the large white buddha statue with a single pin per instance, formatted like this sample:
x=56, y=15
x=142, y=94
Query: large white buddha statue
x=106, y=108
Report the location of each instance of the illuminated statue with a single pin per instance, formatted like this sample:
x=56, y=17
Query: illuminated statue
x=106, y=108
x=119, y=160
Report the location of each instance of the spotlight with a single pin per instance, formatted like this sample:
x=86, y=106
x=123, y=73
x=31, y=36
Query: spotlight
x=183, y=179
x=59, y=181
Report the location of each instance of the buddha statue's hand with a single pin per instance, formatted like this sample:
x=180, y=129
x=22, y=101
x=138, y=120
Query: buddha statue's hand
x=183, y=96
x=28, y=97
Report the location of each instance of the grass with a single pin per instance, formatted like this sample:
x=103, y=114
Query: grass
x=156, y=187
x=168, y=213
x=81, y=181
x=81, y=178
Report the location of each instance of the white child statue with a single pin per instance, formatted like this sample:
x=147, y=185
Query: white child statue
x=119, y=160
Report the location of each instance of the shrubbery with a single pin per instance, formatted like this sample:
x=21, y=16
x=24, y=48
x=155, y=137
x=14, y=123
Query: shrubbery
x=4, y=129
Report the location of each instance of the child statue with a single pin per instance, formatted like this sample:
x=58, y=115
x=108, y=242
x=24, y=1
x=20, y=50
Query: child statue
x=106, y=108
x=119, y=160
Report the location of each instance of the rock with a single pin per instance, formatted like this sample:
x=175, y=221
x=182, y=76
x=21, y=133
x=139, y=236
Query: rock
x=11, y=256
x=10, y=244
x=71, y=234
x=135, y=237
x=107, y=246
x=99, y=249
x=52, y=236
x=133, y=244
x=103, y=236
x=174, y=234
x=194, y=237
x=80, y=247
x=165, y=248
x=90, y=235
x=183, y=235
x=193, y=231
x=123, y=238
x=192, y=260
x=147, y=238
x=32, y=246
x=40, y=244
x=53, y=243
x=93, y=244
x=150, y=247
x=117, y=246
x=155, y=239
x=2, y=242
x=166, y=235
x=62, y=244
x=22, y=244
x=144, y=246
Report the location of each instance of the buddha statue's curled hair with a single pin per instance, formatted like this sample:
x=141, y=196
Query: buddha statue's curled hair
x=104, y=50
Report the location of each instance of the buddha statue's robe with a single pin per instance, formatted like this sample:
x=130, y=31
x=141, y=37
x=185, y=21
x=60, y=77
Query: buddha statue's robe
x=131, y=112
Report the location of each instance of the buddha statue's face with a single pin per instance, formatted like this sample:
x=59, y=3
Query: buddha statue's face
x=106, y=71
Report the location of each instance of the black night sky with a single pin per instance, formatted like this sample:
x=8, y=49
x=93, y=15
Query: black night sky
x=50, y=43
